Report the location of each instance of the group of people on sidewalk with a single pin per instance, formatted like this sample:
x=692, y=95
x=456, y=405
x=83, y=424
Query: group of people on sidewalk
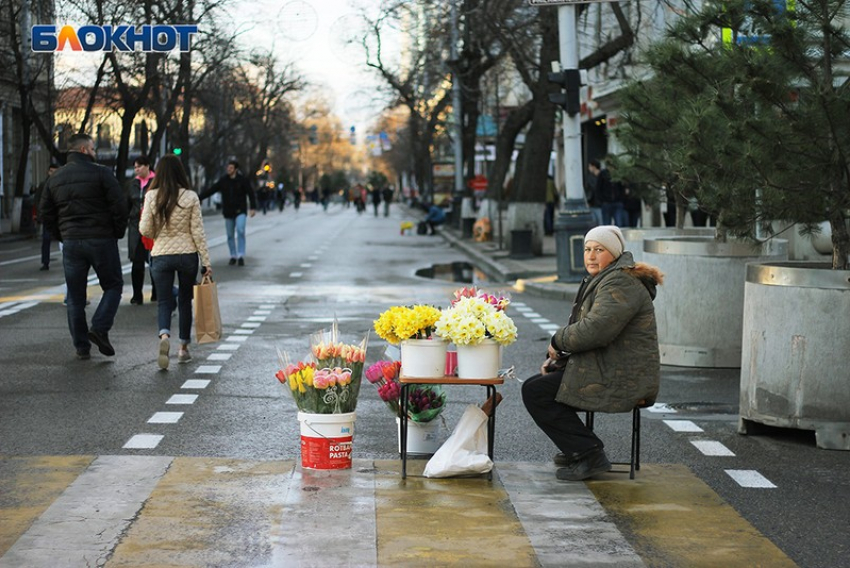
x=82, y=205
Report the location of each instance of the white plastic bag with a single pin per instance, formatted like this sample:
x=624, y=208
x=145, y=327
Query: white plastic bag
x=465, y=452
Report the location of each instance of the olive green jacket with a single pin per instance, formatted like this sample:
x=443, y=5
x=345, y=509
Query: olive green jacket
x=612, y=340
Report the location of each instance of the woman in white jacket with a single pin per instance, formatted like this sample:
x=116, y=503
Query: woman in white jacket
x=172, y=217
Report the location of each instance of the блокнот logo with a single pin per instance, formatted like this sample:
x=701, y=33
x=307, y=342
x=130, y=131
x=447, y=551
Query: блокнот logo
x=108, y=38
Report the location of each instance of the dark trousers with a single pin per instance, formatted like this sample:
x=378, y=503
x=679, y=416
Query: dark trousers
x=45, y=247
x=137, y=273
x=558, y=421
x=164, y=268
x=78, y=256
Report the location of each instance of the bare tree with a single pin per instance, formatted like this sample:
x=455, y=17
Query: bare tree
x=420, y=83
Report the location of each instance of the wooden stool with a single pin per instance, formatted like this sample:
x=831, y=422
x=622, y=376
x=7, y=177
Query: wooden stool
x=634, y=461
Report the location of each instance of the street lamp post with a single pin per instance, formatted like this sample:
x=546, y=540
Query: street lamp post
x=574, y=218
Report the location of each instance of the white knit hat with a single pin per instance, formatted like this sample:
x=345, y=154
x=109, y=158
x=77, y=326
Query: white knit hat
x=609, y=236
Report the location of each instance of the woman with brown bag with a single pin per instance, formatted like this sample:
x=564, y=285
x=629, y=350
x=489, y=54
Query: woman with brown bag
x=172, y=217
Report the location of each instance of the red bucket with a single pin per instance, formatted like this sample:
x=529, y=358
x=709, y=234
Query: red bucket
x=326, y=440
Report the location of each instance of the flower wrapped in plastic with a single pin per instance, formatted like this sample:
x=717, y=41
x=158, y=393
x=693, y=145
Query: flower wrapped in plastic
x=341, y=361
x=330, y=383
x=384, y=375
x=406, y=322
x=475, y=316
x=425, y=402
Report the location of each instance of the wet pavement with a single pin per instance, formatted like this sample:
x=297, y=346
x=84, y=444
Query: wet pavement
x=97, y=509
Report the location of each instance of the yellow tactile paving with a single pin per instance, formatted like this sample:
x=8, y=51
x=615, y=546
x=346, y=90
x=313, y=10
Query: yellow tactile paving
x=208, y=512
x=28, y=485
x=446, y=522
x=674, y=519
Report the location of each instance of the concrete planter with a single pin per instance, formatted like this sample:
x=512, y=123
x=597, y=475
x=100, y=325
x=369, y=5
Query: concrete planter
x=634, y=237
x=795, y=364
x=700, y=306
x=526, y=215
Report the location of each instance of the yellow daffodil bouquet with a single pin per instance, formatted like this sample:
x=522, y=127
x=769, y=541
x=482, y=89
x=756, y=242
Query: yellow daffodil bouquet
x=407, y=322
x=473, y=318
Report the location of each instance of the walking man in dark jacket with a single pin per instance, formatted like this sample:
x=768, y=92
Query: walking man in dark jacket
x=236, y=194
x=84, y=207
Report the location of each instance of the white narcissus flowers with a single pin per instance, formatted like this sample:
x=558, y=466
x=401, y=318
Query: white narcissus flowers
x=471, y=320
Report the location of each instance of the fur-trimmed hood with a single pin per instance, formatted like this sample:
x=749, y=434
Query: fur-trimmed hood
x=649, y=275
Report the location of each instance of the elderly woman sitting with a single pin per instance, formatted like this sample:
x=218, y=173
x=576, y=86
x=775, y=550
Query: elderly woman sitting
x=605, y=359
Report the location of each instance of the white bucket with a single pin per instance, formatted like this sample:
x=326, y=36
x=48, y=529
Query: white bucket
x=423, y=358
x=479, y=361
x=326, y=440
x=422, y=437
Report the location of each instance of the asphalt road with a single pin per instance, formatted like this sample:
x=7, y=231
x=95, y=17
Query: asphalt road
x=313, y=266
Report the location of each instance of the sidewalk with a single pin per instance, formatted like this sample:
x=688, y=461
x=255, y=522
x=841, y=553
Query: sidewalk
x=536, y=276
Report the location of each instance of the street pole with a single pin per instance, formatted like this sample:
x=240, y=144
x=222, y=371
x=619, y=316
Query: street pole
x=574, y=217
x=457, y=111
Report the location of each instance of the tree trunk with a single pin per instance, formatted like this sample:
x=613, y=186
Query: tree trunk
x=530, y=181
x=514, y=123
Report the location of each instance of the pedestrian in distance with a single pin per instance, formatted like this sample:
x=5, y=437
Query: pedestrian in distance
x=238, y=203
x=84, y=207
x=45, y=234
x=387, y=197
x=376, y=199
x=551, y=203
x=609, y=195
x=171, y=216
x=435, y=217
x=137, y=248
x=605, y=359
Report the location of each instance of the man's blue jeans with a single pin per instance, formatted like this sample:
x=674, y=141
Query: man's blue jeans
x=78, y=256
x=236, y=245
x=164, y=267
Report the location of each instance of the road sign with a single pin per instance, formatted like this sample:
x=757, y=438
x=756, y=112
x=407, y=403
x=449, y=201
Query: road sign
x=478, y=183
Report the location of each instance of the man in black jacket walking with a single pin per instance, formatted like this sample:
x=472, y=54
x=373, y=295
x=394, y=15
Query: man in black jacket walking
x=84, y=207
x=236, y=194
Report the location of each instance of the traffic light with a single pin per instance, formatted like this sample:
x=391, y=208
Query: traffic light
x=569, y=100
x=177, y=151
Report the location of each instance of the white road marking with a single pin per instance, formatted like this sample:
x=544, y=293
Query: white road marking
x=207, y=369
x=540, y=320
x=244, y=331
x=531, y=314
x=165, y=418
x=662, y=407
x=712, y=448
x=267, y=307
x=682, y=426
x=257, y=318
x=237, y=338
x=305, y=265
x=196, y=384
x=182, y=399
x=229, y=346
x=143, y=442
x=750, y=478
x=296, y=274
x=521, y=308
x=262, y=313
x=252, y=324
x=219, y=356
x=550, y=326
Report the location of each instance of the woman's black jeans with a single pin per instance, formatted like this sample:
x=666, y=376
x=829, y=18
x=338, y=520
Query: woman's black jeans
x=164, y=267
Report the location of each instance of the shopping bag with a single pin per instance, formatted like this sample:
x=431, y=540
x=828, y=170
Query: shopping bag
x=207, y=316
x=465, y=452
